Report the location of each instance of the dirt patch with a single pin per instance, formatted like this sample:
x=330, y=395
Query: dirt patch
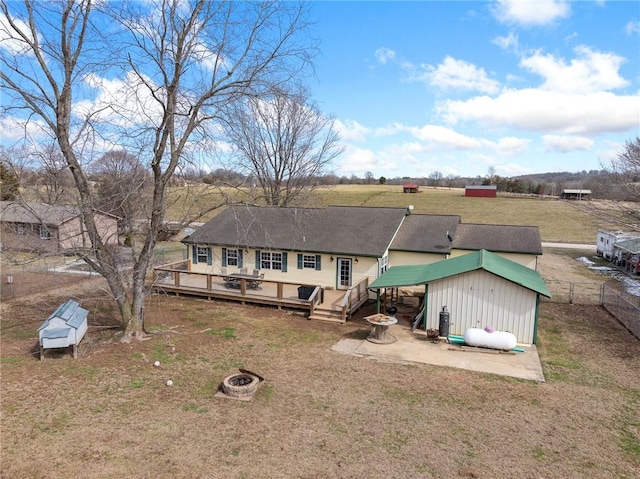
x=317, y=414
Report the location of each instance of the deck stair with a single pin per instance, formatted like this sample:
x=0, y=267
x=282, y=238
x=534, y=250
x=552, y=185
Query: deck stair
x=324, y=313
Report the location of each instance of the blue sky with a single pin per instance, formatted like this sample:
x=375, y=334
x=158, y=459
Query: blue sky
x=459, y=87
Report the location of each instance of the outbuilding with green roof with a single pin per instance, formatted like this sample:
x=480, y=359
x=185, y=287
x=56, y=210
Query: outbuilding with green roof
x=479, y=289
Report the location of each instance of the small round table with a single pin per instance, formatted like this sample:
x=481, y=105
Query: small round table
x=380, y=333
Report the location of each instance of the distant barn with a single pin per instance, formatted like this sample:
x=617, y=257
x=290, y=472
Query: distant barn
x=481, y=191
x=410, y=188
x=575, y=194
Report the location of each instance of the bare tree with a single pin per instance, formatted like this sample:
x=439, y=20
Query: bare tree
x=182, y=62
x=123, y=189
x=369, y=178
x=53, y=183
x=623, y=174
x=435, y=178
x=283, y=142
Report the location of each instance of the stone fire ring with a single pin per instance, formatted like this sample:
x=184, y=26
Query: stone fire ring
x=242, y=385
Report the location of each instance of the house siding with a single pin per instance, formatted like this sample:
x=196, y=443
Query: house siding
x=479, y=299
x=528, y=260
x=399, y=258
x=326, y=276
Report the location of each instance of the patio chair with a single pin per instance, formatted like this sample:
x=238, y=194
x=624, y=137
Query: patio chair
x=243, y=270
x=256, y=272
x=255, y=283
x=227, y=281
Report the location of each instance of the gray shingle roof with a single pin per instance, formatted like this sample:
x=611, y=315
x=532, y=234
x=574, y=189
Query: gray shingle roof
x=36, y=213
x=335, y=229
x=426, y=233
x=498, y=238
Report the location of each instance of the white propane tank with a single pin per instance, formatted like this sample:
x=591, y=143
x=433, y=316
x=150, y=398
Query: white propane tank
x=489, y=338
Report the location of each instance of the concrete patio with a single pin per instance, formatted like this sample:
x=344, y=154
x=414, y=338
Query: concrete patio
x=415, y=347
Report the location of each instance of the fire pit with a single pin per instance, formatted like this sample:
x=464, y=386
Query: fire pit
x=242, y=385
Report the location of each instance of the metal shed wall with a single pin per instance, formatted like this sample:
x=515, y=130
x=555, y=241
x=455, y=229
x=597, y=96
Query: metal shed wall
x=478, y=299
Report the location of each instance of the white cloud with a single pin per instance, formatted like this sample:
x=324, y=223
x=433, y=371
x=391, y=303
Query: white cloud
x=564, y=144
x=384, y=54
x=547, y=111
x=351, y=130
x=510, y=42
x=444, y=137
x=511, y=145
x=13, y=129
x=632, y=27
x=531, y=12
x=125, y=102
x=453, y=74
x=9, y=41
x=357, y=160
x=591, y=71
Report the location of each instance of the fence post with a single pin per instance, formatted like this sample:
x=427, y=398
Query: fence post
x=571, y=291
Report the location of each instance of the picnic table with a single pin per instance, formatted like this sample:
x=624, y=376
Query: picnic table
x=235, y=279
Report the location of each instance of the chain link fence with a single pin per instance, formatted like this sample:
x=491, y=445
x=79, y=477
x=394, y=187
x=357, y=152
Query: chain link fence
x=573, y=292
x=624, y=307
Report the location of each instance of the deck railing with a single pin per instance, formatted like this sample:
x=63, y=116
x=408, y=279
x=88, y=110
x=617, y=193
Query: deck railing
x=177, y=277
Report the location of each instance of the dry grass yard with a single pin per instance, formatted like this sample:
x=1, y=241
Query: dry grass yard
x=318, y=414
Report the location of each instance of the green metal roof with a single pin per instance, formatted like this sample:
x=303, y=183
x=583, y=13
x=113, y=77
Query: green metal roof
x=412, y=275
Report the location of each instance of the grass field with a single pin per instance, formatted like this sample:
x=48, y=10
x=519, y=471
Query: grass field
x=559, y=221
x=319, y=414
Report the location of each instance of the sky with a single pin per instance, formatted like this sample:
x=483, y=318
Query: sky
x=464, y=88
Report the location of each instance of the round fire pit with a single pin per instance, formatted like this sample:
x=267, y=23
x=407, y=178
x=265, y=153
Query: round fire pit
x=240, y=385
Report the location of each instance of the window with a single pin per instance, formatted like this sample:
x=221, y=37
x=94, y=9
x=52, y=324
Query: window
x=202, y=254
x=20, y=230
x=232, y=257
x=44, y=232
x=270, y=260
x=309, y=261
x=384, y=264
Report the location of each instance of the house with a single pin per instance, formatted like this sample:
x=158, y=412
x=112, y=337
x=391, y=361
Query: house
x=339, y=246
x=64, y=328
x=606, y=241
x=521, y=244
x=410, y=188
x=627, y=253
x=40, y=227
x=335, y=247
x=479, y=289
x=480, y=191
x=575, y=194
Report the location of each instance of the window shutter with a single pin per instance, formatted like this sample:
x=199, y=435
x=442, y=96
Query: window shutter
x=224, y=257
x=299, y=261
x=284, y=262
x=318, y=266
x=209, y=257
x=194, y=259
x=239, y=258
x=258, y=263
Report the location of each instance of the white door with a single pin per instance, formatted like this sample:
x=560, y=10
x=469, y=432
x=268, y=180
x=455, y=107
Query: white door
x=344, y=273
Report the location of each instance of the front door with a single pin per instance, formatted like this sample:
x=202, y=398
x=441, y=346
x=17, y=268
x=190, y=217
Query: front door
x=344, y=273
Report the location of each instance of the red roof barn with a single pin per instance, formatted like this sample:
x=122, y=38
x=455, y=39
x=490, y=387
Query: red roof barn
x=481, y=191
x=410, y=188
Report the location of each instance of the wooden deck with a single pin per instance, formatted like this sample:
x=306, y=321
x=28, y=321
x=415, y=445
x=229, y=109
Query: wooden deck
x=325, y=305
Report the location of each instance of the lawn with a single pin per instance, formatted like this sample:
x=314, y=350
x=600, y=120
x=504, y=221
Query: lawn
x=319, y=413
